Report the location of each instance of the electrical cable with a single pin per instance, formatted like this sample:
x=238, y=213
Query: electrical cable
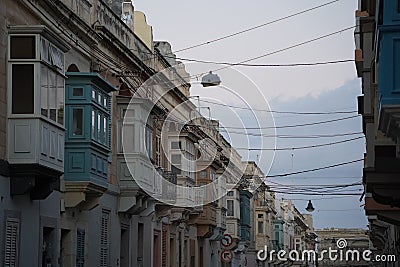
x=276, y=111
x=300, y=147
x=315, y=169
x=293, y=136
x=255, y=27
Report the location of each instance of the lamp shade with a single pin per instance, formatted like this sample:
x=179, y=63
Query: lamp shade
x=310, y=207
x=210, y=79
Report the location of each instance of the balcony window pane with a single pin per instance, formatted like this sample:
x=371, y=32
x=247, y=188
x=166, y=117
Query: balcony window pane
x=175, y=145
x=57, y=58
x=203, y=174
x=260, y=227
x=77, y=91
x=230, y=208
x=45, y=50
x=53, y=95
x=176, y=164
x=60, y=99
x=77, y=121
x=44, y=91
x=93, y=124
x=22, y=88
x=98, y=127
x=22, y=47
x=105, y=130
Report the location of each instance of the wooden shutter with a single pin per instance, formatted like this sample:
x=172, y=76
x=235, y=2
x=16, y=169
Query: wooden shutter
x=104, y=244
x=164, y=247
x=11, y=242
x=80, y=248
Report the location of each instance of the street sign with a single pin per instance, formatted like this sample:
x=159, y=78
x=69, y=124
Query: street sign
x=226, y=256
x=227, y=240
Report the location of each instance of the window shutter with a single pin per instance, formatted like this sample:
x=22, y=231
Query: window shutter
x=104, y=245
x=164, y=245
x=11, y=242
x=80, y=248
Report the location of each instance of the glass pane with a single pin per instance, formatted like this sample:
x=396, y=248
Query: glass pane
x=77, y=91
x=22, y=47
x=176, y=159
x=105, y=130
x=57, y=57
x=44, y=91
x=52, y=95
x=22, y=88
x=98, y=127
x=203, y=174
x=77, y=121
x=44, y=50
x=93, y=124
x=60, y=99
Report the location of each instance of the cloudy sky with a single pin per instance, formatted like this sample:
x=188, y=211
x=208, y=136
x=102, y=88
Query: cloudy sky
x=322, y=88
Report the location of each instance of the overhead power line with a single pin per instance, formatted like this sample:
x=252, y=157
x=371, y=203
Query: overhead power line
x=266, y=65
x=288, y=47
x=315, y=169
x=300, y=147
x=317, y=194
x=255, y=27
x=279, y=111
x=289, y=126
x=283, y=136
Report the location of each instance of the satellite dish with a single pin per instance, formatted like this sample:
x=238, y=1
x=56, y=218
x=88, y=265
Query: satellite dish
x=210, y=79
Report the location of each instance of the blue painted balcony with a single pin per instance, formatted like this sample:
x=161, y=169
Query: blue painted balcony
x=388, y=62
x=87, y=143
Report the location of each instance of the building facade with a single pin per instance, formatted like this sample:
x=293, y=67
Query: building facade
x=377, y=62
x=94, y=170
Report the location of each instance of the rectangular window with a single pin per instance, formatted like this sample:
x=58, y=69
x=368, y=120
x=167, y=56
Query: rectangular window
x=105, y=127
x=230, y=208
x=22, y=88
x=77, y=121
x=230, y=194
x=93, y=124
x=44, y=91
x=176, y=164
x=176, y=145
x=149, y=141
x=80, y=248
x=60, y=99
x=52, y=95
x=104, y=238
x=158, y=150
x=11, y=242
x=99, y=127
x=45, y=50
x=22, y=47
x=260, y=226
x=77, y=92
x=203, y=174
x=57, y=57
x=105, y=102
x=260, y=216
